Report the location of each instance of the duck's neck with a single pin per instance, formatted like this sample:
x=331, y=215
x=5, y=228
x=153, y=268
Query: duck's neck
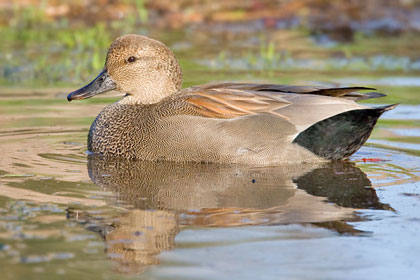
x=150, y=93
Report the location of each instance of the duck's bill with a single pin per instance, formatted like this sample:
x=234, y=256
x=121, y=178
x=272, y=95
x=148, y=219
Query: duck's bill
x=100, y=84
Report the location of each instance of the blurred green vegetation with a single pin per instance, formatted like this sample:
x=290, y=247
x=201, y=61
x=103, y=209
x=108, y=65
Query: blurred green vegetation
x=40, y=51
x=37, y=52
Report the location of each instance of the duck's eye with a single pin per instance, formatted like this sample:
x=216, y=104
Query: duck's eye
x=131, y=59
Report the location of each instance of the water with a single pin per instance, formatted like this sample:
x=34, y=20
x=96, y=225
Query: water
x=65, y=214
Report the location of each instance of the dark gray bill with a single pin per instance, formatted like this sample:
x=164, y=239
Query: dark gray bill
x=100, y=84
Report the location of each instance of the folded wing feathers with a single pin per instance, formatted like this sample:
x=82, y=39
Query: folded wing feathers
x=357, y=96
x=338, y=92
x=335, y=92
x=229, y=100
x=227, y=103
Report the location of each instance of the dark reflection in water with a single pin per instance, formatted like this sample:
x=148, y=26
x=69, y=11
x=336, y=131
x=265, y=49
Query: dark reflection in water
x=342, y=183
x=162, y=198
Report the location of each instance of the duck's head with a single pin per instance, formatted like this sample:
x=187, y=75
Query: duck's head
x=143, y=68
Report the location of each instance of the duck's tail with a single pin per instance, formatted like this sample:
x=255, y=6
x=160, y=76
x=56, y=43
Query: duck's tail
x=340, y=136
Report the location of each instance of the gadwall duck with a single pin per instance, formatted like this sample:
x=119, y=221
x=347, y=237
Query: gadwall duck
x=257, y=124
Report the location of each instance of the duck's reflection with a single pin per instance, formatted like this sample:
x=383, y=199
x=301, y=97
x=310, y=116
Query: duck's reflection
x=164, y=197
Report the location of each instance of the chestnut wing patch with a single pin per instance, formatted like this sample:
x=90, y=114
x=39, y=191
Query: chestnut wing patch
x=230, y=103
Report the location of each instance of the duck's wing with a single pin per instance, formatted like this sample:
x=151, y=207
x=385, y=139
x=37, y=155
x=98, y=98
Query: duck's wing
x=227, y=103
x=343, y=92
x=302, y=106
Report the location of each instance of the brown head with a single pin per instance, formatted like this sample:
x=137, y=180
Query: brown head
x=143, y=68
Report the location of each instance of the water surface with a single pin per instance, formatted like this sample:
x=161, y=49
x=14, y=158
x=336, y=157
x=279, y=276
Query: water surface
x=63, y=213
